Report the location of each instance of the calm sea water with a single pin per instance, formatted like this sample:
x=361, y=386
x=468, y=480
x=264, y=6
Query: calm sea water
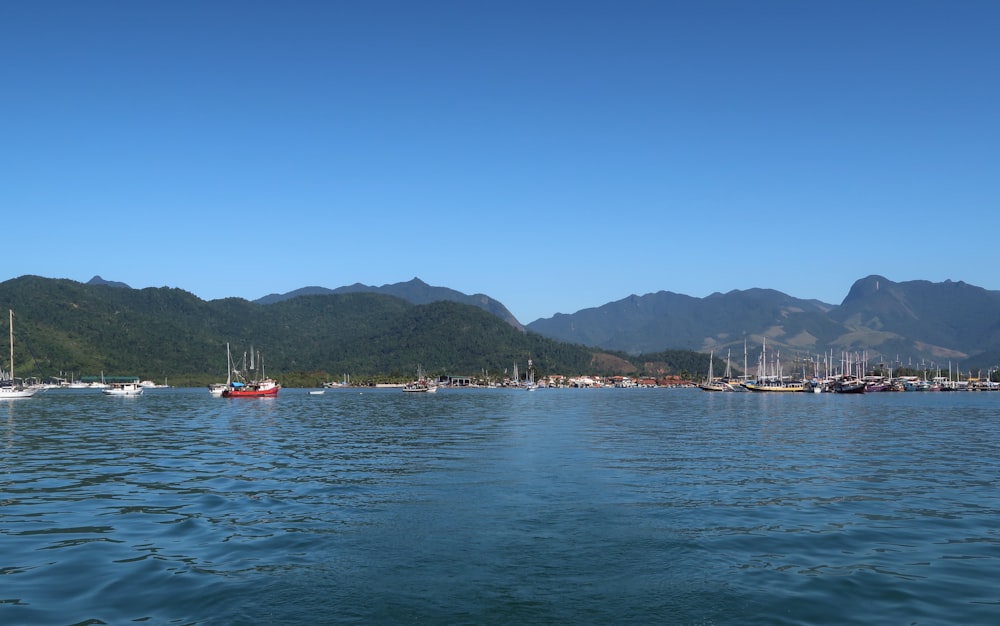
x=500, y=507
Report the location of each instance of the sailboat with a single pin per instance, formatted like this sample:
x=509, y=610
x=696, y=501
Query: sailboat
x=216, y=389
x=530, y=384
x=774, y=382
x=710, y=383
x=10, y=387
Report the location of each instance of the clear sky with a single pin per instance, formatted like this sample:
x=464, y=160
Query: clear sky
x=555, y=156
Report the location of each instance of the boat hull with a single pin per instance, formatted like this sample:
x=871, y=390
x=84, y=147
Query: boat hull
x=775, y=388
x=850, y=388
x=419, y=389
x=250, y=393
x=123, y=389
x=15, y=392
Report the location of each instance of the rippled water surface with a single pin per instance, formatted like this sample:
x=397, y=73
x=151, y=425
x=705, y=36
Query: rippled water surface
x=502, y=507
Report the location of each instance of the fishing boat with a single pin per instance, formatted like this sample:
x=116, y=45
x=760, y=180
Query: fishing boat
x=421, y=384
x=257, y=389
x=11, y=387
x=248, y=383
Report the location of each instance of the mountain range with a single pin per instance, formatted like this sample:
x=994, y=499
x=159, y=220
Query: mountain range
x=915, y=323
x=902, y=322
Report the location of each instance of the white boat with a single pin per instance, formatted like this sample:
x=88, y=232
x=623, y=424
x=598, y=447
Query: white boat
x=132, y=388
x=333, y=384
x=530, y=384
x=421, y=384
x=11, y=387
x=711, y=384
x=317, y=393
x=216, y=389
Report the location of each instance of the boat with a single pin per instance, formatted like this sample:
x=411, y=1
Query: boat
x=257, y=389
x=249, y=385
x=11, y=387
x=317, y=393
x=123, y=388
x=849, y=385
x=216, y=389
x=530, y=384
x=420, y=385
x=333, y=384
x=775, y=386
x=713, y=384
x=776, y=381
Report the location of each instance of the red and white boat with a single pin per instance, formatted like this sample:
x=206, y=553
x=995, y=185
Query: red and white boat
x=246, y=384
x=254, y=389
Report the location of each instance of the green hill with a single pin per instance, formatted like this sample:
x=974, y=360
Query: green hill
x=65, y=328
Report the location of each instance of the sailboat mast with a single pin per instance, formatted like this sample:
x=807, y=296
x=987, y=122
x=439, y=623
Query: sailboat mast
x=11, y=344
x=746, y=374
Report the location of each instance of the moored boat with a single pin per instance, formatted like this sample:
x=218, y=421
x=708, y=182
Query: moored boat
x=849, y=385
x=246, y=385
x=216, y=389
x=11, y=387
x=421, y=384
x=716, y=384
x=256, y=389
x=773, y=380
x=775, y=386
x=123, y=388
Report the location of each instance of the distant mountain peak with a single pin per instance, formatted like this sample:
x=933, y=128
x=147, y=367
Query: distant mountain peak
x=97, y=280
x=414, y=291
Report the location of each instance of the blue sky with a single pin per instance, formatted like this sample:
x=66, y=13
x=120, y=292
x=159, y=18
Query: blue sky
x=553, y=155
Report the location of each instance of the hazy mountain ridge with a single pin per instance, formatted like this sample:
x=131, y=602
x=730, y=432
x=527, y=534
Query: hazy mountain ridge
x=908, y=320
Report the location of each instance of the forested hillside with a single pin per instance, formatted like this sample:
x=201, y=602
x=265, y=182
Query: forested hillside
x=65, y=328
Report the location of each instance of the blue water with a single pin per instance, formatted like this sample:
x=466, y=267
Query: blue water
x=500, y=507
